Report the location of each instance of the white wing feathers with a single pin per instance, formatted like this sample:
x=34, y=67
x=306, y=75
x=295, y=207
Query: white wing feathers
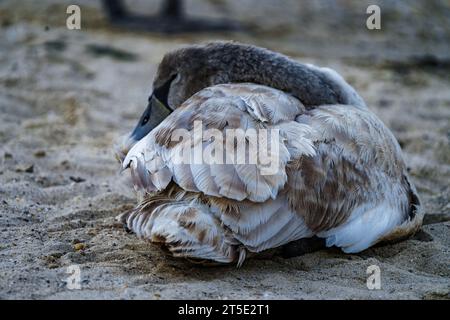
x=243, y=106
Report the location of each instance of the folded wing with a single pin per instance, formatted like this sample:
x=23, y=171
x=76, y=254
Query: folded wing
x=231, y=141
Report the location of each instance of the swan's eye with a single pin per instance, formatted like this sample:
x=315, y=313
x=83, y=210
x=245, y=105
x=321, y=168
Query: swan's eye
x=145, y=120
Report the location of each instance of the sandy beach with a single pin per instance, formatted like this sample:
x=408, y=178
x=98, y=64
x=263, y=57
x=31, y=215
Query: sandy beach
x=67, y=95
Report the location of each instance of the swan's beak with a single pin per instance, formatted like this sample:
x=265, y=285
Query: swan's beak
x=153, y=115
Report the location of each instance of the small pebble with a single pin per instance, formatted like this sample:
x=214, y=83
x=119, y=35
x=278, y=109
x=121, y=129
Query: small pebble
x=79, y=246
x=40, y=154
x=77, y=179
x=25, y=168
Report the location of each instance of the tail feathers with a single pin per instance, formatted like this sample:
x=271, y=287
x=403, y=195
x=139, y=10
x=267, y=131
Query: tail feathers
x=414, y=217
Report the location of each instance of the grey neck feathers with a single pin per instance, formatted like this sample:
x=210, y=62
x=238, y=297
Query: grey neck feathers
x=313, y=86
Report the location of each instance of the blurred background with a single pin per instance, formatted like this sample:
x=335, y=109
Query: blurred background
x=331, y=28
x=67, y=95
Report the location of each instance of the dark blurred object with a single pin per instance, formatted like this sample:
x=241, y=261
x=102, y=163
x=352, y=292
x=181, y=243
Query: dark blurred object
x=302, y=246
x=97, y=50
x=171, y=19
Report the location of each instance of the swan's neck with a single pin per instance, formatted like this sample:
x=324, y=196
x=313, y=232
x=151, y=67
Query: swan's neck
x=313, y=86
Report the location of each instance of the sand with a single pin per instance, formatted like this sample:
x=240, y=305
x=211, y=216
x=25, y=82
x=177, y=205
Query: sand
x=66, y=96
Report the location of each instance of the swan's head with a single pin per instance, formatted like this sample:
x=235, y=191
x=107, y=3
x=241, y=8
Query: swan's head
x=184, y=72
x=181, y=73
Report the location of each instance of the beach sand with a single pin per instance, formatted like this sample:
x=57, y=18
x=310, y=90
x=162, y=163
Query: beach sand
x=66, y=96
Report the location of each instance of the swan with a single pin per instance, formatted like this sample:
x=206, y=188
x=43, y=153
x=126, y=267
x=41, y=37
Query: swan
x=339, y=173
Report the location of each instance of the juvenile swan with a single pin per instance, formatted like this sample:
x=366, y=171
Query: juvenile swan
x=339, y=172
